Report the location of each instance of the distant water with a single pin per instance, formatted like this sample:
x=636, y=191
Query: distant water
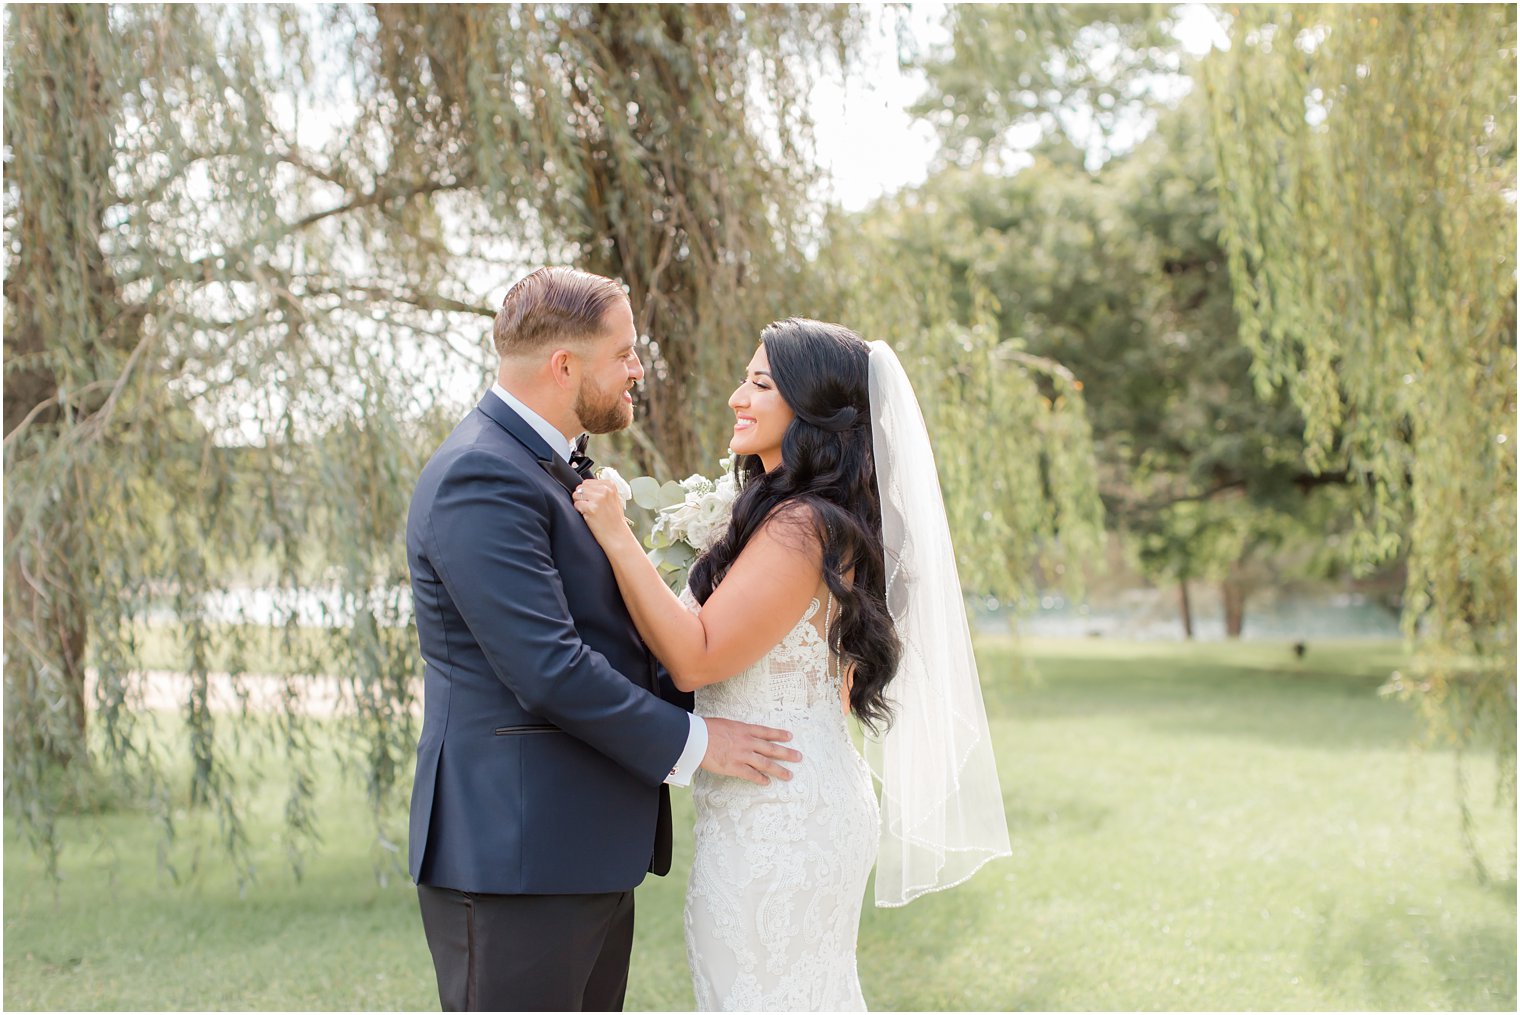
x=1153, y=615
x=315, y=606
x=1136, y=615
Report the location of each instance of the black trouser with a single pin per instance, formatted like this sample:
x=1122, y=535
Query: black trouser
x=528, y=952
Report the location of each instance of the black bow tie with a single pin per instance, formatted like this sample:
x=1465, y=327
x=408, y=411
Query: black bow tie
x=578, y=460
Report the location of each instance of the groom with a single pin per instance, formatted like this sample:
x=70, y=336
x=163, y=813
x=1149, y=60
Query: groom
x=549, y=735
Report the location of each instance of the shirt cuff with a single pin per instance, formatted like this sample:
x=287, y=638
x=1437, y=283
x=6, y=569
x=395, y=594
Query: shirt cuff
x=691, y=759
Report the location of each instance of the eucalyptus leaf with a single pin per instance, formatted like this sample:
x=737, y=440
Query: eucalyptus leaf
x=671, y=494
x=646, y=492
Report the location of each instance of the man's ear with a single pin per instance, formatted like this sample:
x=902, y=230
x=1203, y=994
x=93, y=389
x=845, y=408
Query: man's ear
x=563, y=367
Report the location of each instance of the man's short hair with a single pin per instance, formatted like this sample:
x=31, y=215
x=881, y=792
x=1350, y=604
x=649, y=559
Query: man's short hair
x=553, y=306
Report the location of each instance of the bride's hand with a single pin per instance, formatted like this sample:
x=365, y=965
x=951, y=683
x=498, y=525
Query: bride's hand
x=598, y=502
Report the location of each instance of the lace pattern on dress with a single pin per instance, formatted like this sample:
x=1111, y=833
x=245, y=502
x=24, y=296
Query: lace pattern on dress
x=773, y=906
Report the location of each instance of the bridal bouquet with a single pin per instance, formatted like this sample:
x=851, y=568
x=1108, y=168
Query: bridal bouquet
x=689, y=517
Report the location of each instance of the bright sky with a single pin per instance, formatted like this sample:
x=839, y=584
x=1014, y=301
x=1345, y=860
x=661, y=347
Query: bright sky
x=864, y=133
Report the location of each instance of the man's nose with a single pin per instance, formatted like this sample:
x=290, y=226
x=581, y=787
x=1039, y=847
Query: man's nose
x=637, y=373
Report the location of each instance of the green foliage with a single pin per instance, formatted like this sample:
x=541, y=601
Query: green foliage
x=1120, y=275
x=1366, y=157
x=652, y=495
x=663, y=144
x=1073, y=72
x=245, y=299
x=1010, y=430
x=243, y=285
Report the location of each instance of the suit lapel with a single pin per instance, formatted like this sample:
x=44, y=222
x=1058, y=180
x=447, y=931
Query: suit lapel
x=518, y=427
x=566, y=476
x=560, y=470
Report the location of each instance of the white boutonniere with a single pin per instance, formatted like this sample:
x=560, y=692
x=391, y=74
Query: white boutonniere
x=624, y=491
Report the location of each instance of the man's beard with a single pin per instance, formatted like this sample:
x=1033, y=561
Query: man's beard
x=601, y=413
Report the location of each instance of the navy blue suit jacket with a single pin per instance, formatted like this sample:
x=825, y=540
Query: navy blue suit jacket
x=545, y=740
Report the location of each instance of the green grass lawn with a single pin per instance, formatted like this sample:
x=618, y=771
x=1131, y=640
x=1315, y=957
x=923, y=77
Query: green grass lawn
x=1194, y=827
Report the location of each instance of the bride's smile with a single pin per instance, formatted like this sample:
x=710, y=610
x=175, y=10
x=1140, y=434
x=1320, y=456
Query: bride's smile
x=761, y=415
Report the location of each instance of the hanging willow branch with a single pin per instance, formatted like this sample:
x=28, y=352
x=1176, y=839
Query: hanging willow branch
x=247, y=293
x=1367, y=165
x=1011, y=434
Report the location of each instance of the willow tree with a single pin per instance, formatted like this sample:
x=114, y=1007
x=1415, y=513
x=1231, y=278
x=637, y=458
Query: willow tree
x=1366, y=158
x=1009, y=72
x=666, y=145
x=247, y=286
x=1012, y=439
x=252, y=254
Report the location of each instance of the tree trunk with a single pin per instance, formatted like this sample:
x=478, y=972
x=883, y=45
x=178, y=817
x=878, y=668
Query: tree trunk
x=1234, y=594
x=1187, y=609
x=643, y=255
x=46, y=626
x=46, y=629
x=61, y=171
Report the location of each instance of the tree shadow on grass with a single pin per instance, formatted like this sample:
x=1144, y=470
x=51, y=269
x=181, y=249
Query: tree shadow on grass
x=1386, y=953
x=1069, y=815
x=1207, y=694
x=946, y=951
x=1310, y=722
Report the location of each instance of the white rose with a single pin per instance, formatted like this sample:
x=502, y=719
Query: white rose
x=679, y=519
x=703, y=534
x=712, y=509
x=624, y=491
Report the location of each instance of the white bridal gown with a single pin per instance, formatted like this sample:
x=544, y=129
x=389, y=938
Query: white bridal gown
x=780, y=871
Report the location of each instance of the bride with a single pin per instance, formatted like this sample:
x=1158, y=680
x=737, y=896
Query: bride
x=832, y=592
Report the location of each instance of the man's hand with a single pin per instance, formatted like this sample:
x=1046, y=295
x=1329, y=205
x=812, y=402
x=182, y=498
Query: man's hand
x=747, y=752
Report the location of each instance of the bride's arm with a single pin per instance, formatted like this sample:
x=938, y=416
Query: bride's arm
x=763, y=596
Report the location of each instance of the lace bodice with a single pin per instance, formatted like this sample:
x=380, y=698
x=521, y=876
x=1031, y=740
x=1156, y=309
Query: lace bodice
x=797, y=679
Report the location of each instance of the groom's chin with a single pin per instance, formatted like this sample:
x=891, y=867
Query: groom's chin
x=624, y=417
x=604, y=417
x=609, y=423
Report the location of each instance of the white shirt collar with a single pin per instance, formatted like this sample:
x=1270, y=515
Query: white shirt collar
x=551, y=435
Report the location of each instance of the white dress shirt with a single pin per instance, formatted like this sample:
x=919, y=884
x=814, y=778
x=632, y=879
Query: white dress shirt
x=696, y=741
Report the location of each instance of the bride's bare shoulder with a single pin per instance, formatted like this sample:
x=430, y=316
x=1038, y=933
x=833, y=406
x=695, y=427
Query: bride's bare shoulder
x=797, y=526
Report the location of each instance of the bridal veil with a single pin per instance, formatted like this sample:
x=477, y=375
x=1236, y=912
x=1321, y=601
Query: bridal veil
x=941, y=804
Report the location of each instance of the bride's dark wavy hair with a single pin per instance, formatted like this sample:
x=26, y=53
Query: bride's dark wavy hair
x=828, y=469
